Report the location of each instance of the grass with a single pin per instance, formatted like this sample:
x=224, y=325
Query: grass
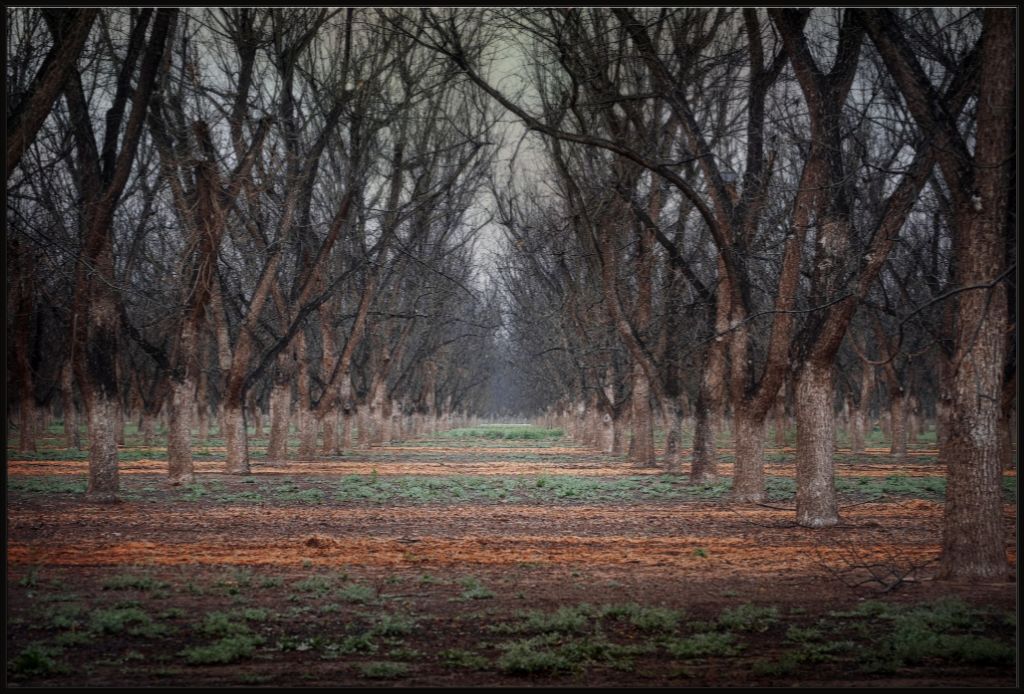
x=700, y=645
x=926, y=633
x=226, y=650
x=133, y=621
x=37, y=660
x=565, y=620
x=357, y=593
x=130, y=581
x=749, y=617
x=383, y=670
x=514, y=433
x=393, y=625
x=646, y=619
x=463, y=659
x=473, y=589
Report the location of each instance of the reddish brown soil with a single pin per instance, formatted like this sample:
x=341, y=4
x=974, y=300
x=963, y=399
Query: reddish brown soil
x=699, y=556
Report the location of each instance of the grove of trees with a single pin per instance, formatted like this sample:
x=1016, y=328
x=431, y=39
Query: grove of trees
x=623, y=220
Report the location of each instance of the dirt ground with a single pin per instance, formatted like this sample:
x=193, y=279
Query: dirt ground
x=235, y=587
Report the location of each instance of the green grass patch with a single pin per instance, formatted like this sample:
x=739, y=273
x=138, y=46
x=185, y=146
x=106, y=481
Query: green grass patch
x=473, y=589
x=700, y=645
x=383, y=670
x=64, y=484
x=512, y=433
x=463, y=659
x=749, y=617
x=37, y=660
x=130, y=620
x=226, y=650
x=130, y=581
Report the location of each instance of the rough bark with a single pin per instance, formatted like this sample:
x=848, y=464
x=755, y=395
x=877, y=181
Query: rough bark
x=674, y=437
x=179, y=434
x=104, y=476
x=280, y=413
x=973, y=542
x=749, y=434
x=859, y=426
x=643, y=453
x=816, y=505
x=236, y=441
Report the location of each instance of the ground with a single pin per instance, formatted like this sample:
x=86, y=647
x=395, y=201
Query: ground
x=496, y=556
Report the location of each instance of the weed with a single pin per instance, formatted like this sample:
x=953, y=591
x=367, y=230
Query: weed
x=698, y=645
x=131, y=620
x=357, y=593
x=383, y=670
x=565, y=620
x=221, y=624
x=65, y=616
x=320, y=585
x=393, y=625
x=798, y=634
x=458, y=658
x=649, y=619
x=129, y=581
x=271, y=582
x=529, y=657
x=749, y=617
x=36, y=659
x=473, y=589
x=359, y=643
x=226, y=650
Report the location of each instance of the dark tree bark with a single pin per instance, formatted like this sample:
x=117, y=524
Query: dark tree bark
x=973, y=532
x=23, y=123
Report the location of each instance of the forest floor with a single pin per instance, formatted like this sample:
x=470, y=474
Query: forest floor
x=472, y=561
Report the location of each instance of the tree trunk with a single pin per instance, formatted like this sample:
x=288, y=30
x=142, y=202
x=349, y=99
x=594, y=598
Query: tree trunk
x=236, y=441
x=898, y=419
x=307, y=421
x=643, y=421
x=329, y=425
x=280, y=414
x=257, y=422
x=179, y=434
x=674, y=438
x=816, y=505
x=202, y=405
x=780, y=423
x=148, y=427
x=749, y=436
x=973, y=543
x=608, y=434
x=104, y=478
x=859, y=432
x=308, y=430
x=704, y=469
x=346, y=429
x=364, y=425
